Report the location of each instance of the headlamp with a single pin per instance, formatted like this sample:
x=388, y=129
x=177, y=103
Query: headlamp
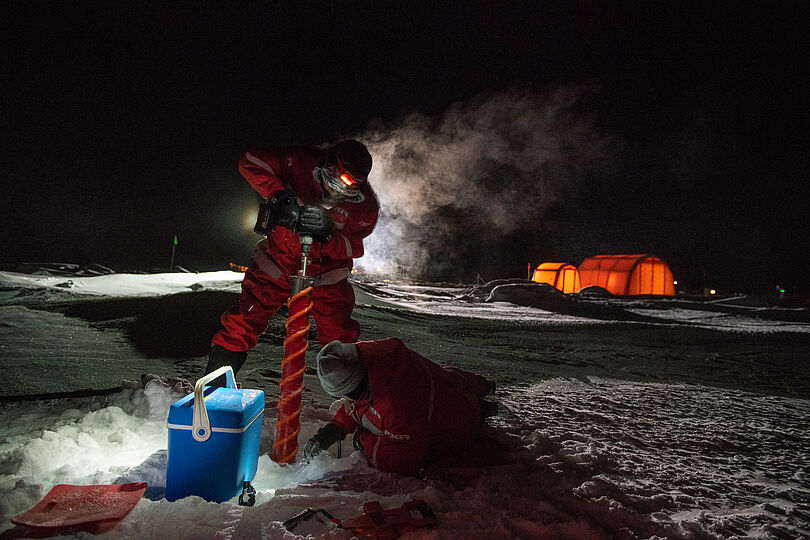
x=345, y=176
x=347, y=179
x=339, y=180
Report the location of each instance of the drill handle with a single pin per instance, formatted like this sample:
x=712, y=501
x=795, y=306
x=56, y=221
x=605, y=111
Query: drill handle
x=306, y=244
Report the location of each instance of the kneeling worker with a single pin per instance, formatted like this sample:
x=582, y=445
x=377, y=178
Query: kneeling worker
x=401, y=406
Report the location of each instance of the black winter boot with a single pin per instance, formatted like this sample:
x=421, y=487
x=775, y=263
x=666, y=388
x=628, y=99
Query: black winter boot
x=487, y=409
x=220, y=356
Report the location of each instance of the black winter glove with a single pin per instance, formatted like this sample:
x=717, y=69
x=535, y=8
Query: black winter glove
x=280, y=209
x=323, y=439
x=314, y=222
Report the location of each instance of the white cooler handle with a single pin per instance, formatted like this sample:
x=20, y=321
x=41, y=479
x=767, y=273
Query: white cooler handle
x=201, y=427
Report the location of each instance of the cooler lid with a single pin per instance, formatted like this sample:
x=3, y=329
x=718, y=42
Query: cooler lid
x=226, y=407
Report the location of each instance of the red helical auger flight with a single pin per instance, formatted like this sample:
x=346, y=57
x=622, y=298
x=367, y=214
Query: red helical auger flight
x=294, y=363
x=292, y=377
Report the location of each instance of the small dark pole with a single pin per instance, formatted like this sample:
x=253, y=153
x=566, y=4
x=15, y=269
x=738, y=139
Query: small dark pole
x=174, y=248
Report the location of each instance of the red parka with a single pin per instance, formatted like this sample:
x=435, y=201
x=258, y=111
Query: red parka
x=415, y=407
x=270, y=170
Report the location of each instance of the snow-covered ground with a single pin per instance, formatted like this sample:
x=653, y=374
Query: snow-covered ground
x=674, y=419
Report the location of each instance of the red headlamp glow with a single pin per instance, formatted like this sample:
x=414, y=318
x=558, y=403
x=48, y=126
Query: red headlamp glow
x=348, y=179
x=345, y=176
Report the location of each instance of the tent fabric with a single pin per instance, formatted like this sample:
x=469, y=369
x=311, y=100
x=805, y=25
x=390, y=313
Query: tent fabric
x=628, y=274
x=563, y=276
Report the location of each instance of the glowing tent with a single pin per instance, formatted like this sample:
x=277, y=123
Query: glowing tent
x=563, y=276
x=628, y=274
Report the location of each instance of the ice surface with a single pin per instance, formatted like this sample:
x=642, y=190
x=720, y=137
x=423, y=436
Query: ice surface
x=692, y=427
x=127, y=284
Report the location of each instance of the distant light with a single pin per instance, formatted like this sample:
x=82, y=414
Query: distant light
x=675, y=282
x=782, y=291
x=249, y=218
x=712, y=291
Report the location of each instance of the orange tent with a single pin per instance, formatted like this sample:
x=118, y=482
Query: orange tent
x=628, y=274
x=563, y=276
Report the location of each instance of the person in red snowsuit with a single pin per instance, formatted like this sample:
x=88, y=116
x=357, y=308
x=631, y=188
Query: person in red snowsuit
x=401, y=406
x=325, y=194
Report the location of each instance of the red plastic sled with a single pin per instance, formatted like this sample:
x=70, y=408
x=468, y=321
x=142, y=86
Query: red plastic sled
x=66, y=505
x=378, y=524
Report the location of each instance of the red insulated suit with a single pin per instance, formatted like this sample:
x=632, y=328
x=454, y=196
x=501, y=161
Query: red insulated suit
x=266, y=285
x=415, y=407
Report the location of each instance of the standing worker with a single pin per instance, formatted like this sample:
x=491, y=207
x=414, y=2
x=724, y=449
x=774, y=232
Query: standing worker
x=325, y=194
x=401, y=407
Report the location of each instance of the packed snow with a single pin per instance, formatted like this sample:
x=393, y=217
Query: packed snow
x=619, y=418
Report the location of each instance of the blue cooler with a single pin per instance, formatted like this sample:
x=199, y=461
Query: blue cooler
x=214, y=438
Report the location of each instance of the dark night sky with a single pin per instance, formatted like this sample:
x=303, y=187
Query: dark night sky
x=122, y=123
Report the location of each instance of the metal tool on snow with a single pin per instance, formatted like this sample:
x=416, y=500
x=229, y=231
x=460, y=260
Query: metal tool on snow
x=375, y=522
x=304, y=515
x=293, y=365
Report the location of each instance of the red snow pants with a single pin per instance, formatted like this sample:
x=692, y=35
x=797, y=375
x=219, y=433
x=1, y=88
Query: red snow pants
x=262, y=296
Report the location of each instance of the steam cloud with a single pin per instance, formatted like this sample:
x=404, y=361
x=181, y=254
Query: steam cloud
x=451, y=189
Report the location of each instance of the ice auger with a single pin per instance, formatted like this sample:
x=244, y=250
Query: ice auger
x=299, y=305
